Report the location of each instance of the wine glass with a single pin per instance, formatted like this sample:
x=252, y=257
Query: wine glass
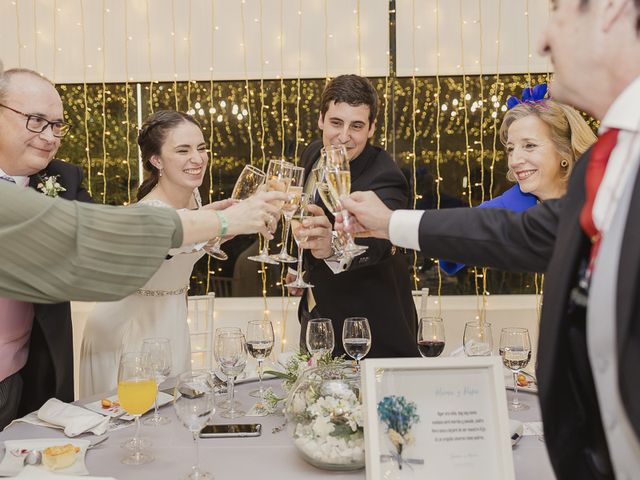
x=250, y=179
x=515, y=350
x=194, y=405
x=260, y=339
x=320, y=337
x=136, y=393
x=338, y=180
x=296, y=223
x=157, y=353
x=356, y=338
x=431, y=336
x=231, y=354
x=288, y=210
x=278, y=179
x=478, y=339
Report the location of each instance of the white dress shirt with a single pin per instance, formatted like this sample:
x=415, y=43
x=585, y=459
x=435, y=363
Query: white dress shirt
x=20, y=180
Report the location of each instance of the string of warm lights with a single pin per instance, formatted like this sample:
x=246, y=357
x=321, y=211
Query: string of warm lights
x=262, y=105
x=148, y=21
x=211, y=112
x=246, y=83
x=86, y=101
x=127, y=122
x=19, y=44
x=36, y=32
x=526, y=15
x=357, y=12
x=104, y=108
x=414, y=132
x=496, y=95
x=282, y=92
x=326, y=38
x=55, y=40
x=174, y=56
x=298, y=81
x=188, y=39
x=438, y=153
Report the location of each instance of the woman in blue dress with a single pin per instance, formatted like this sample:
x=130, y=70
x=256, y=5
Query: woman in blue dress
x=543, y=140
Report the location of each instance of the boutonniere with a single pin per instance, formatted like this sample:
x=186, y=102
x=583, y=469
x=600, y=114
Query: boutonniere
x=49, y=185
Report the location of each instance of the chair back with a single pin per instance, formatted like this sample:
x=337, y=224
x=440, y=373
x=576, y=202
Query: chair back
x=201, y=328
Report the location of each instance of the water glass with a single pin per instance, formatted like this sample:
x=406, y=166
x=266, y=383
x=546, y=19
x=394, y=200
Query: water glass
x=320, y=337
x=158, y=356
x=478, y=339
x=356, y=337
x=515, y=350
x=230, y=351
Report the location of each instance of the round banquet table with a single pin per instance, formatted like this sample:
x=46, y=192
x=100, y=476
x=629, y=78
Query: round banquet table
x=270, y=456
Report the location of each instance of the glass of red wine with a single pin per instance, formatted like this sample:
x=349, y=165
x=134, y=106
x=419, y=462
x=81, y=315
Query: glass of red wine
x=431, y=336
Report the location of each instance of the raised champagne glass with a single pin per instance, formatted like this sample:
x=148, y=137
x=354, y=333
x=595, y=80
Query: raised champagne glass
x=260, y=340
x=278, y=180
x=288, y=210
x=338, y=180
x=296, y=224
x=136, y=394
x=248, y=183
x=515, y=350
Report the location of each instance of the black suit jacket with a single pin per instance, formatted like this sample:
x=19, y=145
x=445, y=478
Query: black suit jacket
x=548, y=238
x=49, y=368
x=377, y=284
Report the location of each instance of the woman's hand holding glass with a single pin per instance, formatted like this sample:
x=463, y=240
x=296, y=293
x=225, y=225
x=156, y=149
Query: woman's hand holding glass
x=195, y=405
x=278, y=180
x=157, y=352
x=288, y=210
x=136, y=394
x=300, y=235
x=230, y=351
x=247, y=184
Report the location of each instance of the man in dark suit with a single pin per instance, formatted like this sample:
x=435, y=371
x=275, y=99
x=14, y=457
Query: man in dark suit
x=587, y=242
x=376, y=284
x=36, y=343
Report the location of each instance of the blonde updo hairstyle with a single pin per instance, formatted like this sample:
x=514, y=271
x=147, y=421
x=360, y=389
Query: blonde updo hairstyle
x=570, y=133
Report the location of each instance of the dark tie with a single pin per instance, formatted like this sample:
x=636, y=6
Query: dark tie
x=595, y=171
x=7, y=179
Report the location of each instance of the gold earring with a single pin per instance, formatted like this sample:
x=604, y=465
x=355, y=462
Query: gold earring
x=160, y=172
x=564, y=164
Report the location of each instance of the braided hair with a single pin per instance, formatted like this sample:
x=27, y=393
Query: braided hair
x=151, y=137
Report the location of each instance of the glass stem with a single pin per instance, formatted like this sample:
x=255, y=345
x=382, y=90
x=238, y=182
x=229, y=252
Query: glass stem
x=216, y=244
x=265, y=246
x=196, y=466
x=515, y=400
x=136, y=438
x=230, y=388
x=350, y=242
x=300, y=252
x=260, y=378
x=287, y=222
x=156, y=416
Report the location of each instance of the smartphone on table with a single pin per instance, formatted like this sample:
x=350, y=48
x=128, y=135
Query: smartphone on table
x=231, y=430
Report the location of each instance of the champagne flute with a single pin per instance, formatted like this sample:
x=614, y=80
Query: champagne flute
x=338, y=180
x=320, y=337
x=157, y=353
x=250, y=179
x=231, y=355
x=288, y=210
x=260, y=339
x=194, y=407
x=515, y=350
x=136, y=393
x=278, y=179
x=477, y=339
x=296, y=223
x=356, y=338
x=431, y=336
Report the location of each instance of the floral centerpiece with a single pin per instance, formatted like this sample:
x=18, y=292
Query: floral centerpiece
x=323, y=410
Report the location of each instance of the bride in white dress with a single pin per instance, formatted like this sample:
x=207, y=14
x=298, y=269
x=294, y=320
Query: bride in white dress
x=174, y=152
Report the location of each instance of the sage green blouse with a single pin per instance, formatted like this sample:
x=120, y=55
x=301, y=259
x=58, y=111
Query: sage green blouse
x=53, y=250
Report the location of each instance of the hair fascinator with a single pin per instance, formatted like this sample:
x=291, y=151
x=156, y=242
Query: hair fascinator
x=535, y=94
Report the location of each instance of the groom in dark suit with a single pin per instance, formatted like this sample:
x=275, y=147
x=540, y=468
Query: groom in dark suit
x=36, y=343
x=587, y=242
x=376, y=284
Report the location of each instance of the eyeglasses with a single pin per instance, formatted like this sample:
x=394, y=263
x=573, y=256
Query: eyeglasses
x=37, y=124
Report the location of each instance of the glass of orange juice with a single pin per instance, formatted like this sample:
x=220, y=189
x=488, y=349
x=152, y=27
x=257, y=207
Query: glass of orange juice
x=136, y=394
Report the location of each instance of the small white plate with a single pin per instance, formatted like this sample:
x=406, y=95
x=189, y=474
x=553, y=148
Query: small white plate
x=118, y=411
x=12, y=465
x=531, y=387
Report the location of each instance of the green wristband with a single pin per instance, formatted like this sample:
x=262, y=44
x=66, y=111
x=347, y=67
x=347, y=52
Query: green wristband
x=224, y=225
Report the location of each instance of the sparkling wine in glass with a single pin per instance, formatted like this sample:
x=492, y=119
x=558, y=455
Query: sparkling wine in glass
x=431, y=336
x=296, y=224
x=478, y=339
x=278, y=180
x=320, y=337
x=136, y=394
x=194, y=405
x=515, y=350
x=338, y=180
x=260, y=339
x=356, y=337
x=157, y=352
x=288, y=210
x=248, y=183
x=231, y=354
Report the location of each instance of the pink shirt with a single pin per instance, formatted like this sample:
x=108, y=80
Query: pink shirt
x=16, y=320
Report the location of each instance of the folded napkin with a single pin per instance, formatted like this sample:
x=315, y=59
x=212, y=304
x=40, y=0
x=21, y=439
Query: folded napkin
x=34, y=473
x=74, y=420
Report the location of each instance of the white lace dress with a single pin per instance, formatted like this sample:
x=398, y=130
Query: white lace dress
x=159, y=309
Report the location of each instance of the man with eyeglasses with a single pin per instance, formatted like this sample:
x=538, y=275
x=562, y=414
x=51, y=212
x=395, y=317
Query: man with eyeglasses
x=36, y=343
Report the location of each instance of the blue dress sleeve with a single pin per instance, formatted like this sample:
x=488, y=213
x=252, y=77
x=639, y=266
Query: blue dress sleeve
x=513, y=199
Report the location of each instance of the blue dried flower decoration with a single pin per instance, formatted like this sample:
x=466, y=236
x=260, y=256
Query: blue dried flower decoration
x=535, y=94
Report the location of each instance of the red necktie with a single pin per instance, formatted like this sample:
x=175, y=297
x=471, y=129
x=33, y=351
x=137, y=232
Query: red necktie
x=593, y=177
